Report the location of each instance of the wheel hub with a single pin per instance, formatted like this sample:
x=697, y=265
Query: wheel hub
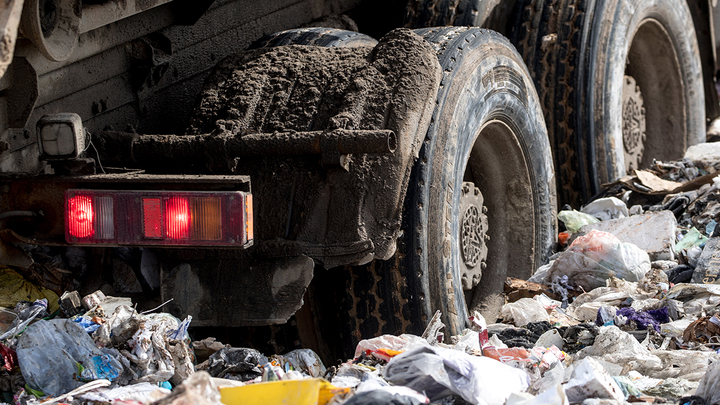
x=633, y=128
x=473, y=235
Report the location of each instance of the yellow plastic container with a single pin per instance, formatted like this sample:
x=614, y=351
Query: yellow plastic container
x=313, y=391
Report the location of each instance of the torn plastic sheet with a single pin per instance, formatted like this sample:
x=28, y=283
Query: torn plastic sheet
x=440, y=372
x=143, y=393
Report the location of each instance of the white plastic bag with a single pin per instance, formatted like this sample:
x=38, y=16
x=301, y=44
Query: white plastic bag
x=399, y=343
x=606, y=208
x=440, y=372
x=597, y=256
x=709, y=388
x=618, y=347
x=590, y=380
x=524, y=311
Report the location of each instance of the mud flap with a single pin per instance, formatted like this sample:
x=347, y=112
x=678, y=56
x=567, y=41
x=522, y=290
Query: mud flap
x=220, y=291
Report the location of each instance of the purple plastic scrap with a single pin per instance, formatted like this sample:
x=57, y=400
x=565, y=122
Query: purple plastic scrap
x=642, y=319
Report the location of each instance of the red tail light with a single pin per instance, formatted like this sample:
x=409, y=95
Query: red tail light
x=177, y=218
x=158, y=218
x=80, y=216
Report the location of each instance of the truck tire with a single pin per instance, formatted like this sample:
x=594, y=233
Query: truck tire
x=327, y=37
x=496, y=15
x=598, y=67
x=433, y=13
x=486, y=161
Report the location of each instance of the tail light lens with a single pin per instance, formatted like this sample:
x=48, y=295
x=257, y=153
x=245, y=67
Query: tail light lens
x=192, y=218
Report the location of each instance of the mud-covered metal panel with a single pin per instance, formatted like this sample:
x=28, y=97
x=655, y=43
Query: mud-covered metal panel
x=226, y=288
x=337, y=215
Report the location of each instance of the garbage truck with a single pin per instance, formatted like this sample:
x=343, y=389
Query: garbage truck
x=343, y=168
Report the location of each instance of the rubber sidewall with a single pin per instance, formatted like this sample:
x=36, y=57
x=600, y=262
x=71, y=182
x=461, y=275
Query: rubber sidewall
x=485, y=81
x=616, y=22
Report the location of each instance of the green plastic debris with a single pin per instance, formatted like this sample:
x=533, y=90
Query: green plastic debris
x=574, y=220
x=692, y=238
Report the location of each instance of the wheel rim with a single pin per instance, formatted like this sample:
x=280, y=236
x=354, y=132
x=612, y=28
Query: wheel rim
x=497, y=166
x=653, y=99
x=473, y=235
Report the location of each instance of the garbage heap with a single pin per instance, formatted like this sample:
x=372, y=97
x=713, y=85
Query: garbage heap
x=626, y=311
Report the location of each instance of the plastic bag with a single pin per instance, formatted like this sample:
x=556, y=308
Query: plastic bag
x=618, y=347
x=143, y=392
x=691, y=239
x=524, y=311
x=574, y=220
x=597, y=256
x=62, y=345
x=440, y=372
x=25, y=317
x=307, y=361
x=590, y=380
x=554, y=395
x=709, y=388
x=391, y=342
x=606, y=208
x=236, y=363
x=373, y=383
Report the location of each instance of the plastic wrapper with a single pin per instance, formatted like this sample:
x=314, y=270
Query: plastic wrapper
x=606, y=208
x=381, y=397
x=618, y=347
x=689, y=365
x=236, y=363
x=378, y=384
x=61, y=344
x=672, y=389
x=549, y=339
x=590, y=380
x=524, y=311
x=597, y=256
x=143, y=393
x=511, y=355
x=574, y=220
x=118, y=327
x=391, y=342
x=627, y=385
x=468, y=342
x=554, y=395
x=441, y=372
x=25, y=317
x=675, y=328
x=349, y=375
x=199, y=389
x=307, y=361
x=697, y=299
x=709, y=388
x=691, y=239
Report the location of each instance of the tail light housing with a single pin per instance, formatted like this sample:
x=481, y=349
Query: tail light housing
x=164, y=218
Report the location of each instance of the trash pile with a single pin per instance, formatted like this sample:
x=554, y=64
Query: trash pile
x=627, y=311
